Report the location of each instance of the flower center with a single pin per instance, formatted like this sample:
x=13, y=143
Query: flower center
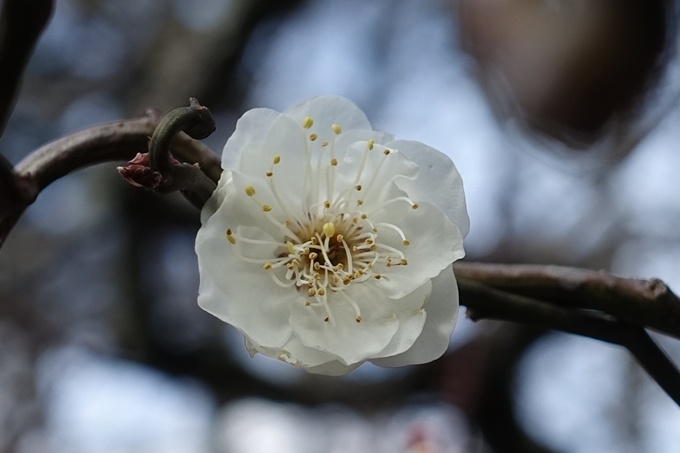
x=333, y=244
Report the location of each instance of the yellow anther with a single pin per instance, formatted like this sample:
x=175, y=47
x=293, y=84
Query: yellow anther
x=287, y=222
x=321, y=292
x=337, y=129
x=415, y=206
x=364, y=216
x=347, y=281
x=250, y=191
x=326, y=204
x=334, y=162
x=360, y=202
x=313, y=137
x=307, y=122
x=317, y=266
x=324, y=144
x=358, y=319
x=387, y=152
x=230, y=237
x=276, y=159
x=314, y=241
x=266, y=208
x=358, y=187
x=308, y=303
x=311, y=292
x=289, y=246
x=269, y=174
x=329, y=229
x=313, y=255
x=403, y=262
x=355, y=220
x=406, y=242
x=371, y=142
x=267, y=266
x=340, y=238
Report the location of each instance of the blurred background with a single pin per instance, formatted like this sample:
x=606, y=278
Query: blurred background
x=561, y=115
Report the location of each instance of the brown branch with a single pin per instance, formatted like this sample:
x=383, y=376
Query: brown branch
x=21, y=23
x=648, y=303
x=488, y=303
x=117, y=141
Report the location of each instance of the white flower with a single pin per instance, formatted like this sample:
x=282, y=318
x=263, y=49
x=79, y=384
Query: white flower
x=330, y=244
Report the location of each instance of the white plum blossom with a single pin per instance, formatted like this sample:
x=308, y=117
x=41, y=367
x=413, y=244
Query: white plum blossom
x=328, y=244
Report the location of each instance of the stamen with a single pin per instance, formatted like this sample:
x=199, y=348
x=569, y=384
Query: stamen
x=313, y=137
x=276, y=159
x=307, y=122
x=337, y=129
x=250, y=191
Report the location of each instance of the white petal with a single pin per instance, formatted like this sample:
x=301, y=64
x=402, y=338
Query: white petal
x=296, y=354
x=411, y=321
x=239, y=293
x=326, y=111
x=250, y=128
x=284, y=139
x=334, y=368
x=435, y=243
x=374, y=171
x=442, y=313
x=351, y=341
x=438, y=182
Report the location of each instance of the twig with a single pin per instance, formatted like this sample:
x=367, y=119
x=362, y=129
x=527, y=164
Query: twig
x=196, y=121
x=118, y=141
x=641, y=302
x=21, y=23
x=488, y=303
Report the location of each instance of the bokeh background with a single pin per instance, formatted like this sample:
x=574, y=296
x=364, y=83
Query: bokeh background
x=561, y=115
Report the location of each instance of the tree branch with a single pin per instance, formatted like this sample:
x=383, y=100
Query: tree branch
x=21, y=23
x=117, y=141
x=489, y=303
x=641, y=302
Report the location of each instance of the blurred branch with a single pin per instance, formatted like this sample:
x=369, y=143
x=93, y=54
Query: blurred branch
x=21, y=23
x=488, y=303
x=217, y=51
x=648, y=303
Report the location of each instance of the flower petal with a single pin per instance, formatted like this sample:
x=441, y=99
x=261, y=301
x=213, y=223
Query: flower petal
x=250, y=128
x=442, y=313
x=296, y=354
x=334, y=368
x=239, y=293
x=326, y=111
x=343, y=336
x=411, y=320
x=438, y=182
x=434, y=243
